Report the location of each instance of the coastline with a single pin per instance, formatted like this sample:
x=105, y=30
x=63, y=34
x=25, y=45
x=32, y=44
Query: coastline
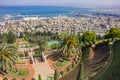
x=19, y=12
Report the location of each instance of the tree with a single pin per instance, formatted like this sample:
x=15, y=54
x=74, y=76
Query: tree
x=29, y=36
x=42, y=47
x=63, y=35
x=39, y=77
x=79, y=38
x=4, y=40
x=55, y=46
x=80, y=72
x=8, y=58
x=56, y=75
x=1, y=38
x=69, y=45
x=89, y=37
x=113, y=33
x=10, y=37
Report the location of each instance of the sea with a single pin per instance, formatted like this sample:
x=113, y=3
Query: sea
x=49, y=11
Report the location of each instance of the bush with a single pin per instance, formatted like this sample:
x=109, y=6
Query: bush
x=72, y=65
x=22, y=72
x=37, y=52
x=33, y=79
x=13, y=79
x=102, y=43
x=61, y=72
x=68, y=69
x=21, y=55
x=117, y=41
x=5, y=78
x=61, y=60
x=26, y=54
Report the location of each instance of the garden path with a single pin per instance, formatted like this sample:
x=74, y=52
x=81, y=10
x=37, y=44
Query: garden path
x=43, y=69
x=92, y=53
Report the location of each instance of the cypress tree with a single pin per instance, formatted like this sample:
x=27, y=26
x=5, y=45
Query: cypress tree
x=56, y=75
x=39, y=77
x=80, y=73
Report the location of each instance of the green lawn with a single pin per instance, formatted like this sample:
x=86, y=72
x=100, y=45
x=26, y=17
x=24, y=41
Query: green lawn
x=21, y=40
x=22, y=73
x=113, y=72
x=21, y=63
x=61, y=63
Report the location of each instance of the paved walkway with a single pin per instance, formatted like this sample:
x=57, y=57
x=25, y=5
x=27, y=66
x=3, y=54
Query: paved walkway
x=43, y=69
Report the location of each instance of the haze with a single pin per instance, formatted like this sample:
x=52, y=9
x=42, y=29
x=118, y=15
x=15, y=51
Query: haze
x=62, y=2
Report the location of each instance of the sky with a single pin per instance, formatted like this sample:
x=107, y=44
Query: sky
x=62, y=2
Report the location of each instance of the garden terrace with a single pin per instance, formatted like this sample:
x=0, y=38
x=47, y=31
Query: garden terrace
x=59, y=62
x=113, y=72
x=93, y=65
x=90, y=65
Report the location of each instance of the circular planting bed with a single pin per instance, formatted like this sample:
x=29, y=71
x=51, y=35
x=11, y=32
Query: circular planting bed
x=20, y=73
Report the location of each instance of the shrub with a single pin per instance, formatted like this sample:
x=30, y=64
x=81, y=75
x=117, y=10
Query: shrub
x=68, y=69
x=61, y=72
x=72, y=65
x=21, y=55
x=61, y=60
x=37, y=52
x=5, y=78
x=22, y=72
x=13, y=79
x=26, y=54
x=33, y=79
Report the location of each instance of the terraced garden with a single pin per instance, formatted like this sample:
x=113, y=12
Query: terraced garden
x=61, y=63
x=91, y=65
x=113, y=72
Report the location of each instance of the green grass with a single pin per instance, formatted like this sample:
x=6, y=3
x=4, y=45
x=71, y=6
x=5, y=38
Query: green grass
x=72, y=74
x=61, y=63
x=21, y=73
x=37, y=52
x=21, y=63
x=21, y=40
x=113, y=72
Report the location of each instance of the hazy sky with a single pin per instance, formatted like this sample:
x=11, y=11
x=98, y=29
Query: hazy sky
x=61, y=2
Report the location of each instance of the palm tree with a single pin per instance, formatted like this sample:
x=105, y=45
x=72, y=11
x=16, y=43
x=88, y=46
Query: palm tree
x=8, y=58
x=69, y=45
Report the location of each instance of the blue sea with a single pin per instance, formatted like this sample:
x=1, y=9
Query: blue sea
x=42, y=10
x=45, y=10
